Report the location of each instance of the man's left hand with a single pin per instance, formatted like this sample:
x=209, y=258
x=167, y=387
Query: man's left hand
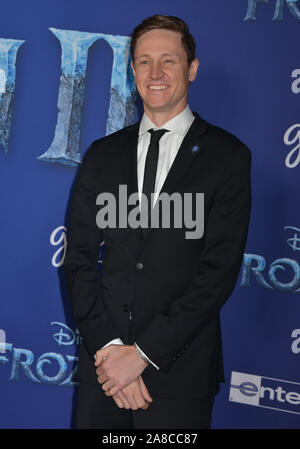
x=118, y=366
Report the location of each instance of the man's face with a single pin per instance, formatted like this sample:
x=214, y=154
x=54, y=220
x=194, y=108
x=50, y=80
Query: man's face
x=161, y=71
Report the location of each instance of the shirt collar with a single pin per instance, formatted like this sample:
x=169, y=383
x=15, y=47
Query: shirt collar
x=177, y=124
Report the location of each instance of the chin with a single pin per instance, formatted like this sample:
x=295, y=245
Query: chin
x=157, y=104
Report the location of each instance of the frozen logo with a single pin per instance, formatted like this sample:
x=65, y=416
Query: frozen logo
x=51, y=367
x=283, y=274
x=255, y=5
x=75, y=46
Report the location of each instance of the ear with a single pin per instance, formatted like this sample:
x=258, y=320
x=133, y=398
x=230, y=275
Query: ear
x=193, y=69
x=132, y=66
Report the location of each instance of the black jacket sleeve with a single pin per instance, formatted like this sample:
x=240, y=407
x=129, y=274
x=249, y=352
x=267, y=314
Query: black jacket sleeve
x=82, y=275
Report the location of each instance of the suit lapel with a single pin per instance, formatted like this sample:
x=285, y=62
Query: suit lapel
x=188, y=151
x=129, y=160
x=186, y=155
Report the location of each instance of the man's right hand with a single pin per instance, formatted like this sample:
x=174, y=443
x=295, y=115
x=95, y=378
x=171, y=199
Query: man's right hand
x=133, y=396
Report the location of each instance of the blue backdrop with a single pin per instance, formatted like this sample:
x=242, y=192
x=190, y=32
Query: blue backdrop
x=62, y=85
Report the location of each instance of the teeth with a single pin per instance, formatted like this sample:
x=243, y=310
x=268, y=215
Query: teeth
x=157, y=87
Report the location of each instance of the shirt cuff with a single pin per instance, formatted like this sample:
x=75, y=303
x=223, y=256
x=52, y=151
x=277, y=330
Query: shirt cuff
x=115, y=341
x=144, y=355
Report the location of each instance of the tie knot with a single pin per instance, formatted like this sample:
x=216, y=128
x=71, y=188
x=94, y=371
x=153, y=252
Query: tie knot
x=156, y=135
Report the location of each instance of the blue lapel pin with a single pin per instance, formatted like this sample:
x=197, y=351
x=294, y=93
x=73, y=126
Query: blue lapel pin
x=195, y=148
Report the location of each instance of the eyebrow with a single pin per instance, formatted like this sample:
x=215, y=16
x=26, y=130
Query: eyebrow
x=164, y=54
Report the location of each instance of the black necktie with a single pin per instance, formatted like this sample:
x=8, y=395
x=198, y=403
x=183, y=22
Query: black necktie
x=150, y=169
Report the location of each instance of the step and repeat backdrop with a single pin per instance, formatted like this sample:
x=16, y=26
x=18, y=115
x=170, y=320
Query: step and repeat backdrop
x=65, y=80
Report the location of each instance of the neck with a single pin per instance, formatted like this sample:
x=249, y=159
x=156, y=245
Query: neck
x=159, y=118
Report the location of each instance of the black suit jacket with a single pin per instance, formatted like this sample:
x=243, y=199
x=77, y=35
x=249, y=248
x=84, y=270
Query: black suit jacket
x=173, y=287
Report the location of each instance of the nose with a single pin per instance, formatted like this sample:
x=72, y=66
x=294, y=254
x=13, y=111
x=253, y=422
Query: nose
x=155, y=70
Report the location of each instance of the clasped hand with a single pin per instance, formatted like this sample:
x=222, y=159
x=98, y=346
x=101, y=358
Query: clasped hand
x=119, y=369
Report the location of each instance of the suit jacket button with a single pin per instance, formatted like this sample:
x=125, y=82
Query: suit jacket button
x=139, y=266
x=125, y=307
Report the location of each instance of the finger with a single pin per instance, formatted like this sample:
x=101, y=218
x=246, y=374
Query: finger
x=123, y=399
x=129, y=393
x=108, y=385
x=144, y=390
x=118, y=401
x=140, y=400
x=99, y=356
x=100, y=370
x=131, y=400
x=138, y=396
x=113, y=389
x=102, y=377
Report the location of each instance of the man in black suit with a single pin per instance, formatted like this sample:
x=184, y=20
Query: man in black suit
x=152, y=354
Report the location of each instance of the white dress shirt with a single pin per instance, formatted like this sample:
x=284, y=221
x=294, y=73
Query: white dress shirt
x=169, y=145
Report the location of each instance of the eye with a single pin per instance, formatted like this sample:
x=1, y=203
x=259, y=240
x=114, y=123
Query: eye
x=169, y=61
x=143, y=62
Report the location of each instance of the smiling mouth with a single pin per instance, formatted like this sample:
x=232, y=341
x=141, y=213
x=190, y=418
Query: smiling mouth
x=158, y=87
